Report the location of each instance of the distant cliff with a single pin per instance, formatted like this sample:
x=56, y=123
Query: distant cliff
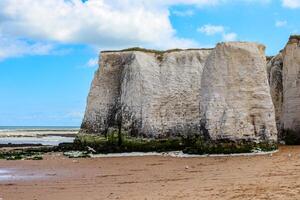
x=220, y=93
x=284, y=77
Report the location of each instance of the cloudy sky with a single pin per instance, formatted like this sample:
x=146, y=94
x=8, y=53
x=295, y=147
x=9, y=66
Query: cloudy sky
x=49, y=49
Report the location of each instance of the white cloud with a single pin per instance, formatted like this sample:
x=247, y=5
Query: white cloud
x=10, y=47
x=183, y=13
x=211, y=30
x=229, y=36
x=103, y=23
x=106, y=24
x=93, y=62
x=280, y=23
x=201, y=3
x=291, y=3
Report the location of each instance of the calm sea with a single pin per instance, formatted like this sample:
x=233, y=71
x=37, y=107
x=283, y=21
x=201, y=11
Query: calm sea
x=45, y=135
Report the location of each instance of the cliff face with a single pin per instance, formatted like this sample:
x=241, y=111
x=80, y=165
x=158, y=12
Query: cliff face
x=284, y=78
x=147, y=94
x=221, y=94
x=274, y=68
x=291, y=85
x=235, y=96
x=104, y=95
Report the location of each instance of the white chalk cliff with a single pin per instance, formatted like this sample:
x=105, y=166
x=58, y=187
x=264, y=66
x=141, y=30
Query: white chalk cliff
x=151, y=94
x=284, y=73
x=274, y=68
x=221, y=93
x=235, y=95
x=291, y=85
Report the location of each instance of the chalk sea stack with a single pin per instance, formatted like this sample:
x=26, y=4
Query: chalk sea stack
x=284, y=73
x=149, y=93
x=218, y=94
x=291, y=85
x=235, y=95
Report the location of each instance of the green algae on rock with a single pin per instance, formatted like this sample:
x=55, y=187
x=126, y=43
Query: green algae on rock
x=189, y=145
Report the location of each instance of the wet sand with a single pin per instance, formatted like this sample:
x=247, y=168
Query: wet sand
x=153, y=177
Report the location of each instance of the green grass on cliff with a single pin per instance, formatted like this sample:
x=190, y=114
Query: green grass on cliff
x=293, y=39
x=159, y=54
x=152, y=50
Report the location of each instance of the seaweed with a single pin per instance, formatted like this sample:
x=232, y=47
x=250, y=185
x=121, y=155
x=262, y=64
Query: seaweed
x=190, y=145
x=118, y=141
x=291, y=137
x=20, y=155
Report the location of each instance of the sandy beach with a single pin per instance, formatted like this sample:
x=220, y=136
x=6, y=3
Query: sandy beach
x=273, y=176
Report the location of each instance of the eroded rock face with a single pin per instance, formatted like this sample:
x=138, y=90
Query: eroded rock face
x=147, y=94
x=291, y=85
x=274, y=68
x=221, y=94
x=104, y=96
x=235, y=96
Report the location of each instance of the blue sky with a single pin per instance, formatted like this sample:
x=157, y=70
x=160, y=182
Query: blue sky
x=49, y=49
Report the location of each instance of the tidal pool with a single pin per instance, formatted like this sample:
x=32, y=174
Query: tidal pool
x=7, y=174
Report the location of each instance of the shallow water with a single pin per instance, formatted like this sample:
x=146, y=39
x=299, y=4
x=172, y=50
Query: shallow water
x=5, y=175
x=3, y=171
x=178, y=154
x=45, y=135
x=11, y=175
x=47, y=140
x=6, y=131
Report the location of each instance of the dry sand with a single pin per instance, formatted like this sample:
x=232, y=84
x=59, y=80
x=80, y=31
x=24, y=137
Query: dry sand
x=154, y=177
